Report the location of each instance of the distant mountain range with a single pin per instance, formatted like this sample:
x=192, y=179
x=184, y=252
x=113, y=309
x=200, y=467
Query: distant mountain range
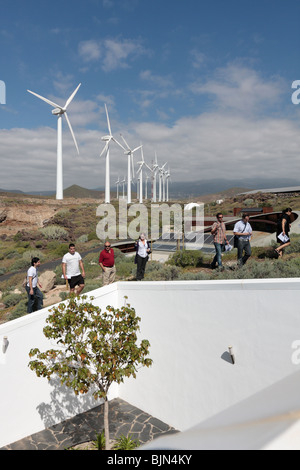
x=179, y=190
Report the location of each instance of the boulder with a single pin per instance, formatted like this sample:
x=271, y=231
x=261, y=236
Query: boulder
x=47, y=280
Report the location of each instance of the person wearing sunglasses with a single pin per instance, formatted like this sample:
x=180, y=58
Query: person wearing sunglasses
x=218, y=231
x=107, y=264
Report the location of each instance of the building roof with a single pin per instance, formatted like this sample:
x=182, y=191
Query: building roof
x=291, y=189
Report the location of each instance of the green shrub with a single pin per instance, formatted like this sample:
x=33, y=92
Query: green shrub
x=126, y=443
x=54, y=232
x=10, y=300
x=92, y=236
x=161, y=272
x=29, y=254
x=20, y=264
x=19, y=311
x=82, y=239
x=185, y=258
x=61, y=250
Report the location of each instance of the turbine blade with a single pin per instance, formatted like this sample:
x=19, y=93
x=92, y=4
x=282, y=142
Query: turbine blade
x=46, y=100
x=119, y=144
x=71, y=97
x=128, y=148
x=108, y=123
x=137, y=148
x=71, y=130
x=105, y=148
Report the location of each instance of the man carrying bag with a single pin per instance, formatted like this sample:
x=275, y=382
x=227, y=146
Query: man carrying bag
x=242, y=233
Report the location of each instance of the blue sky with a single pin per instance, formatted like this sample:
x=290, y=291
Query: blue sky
x=206, y=85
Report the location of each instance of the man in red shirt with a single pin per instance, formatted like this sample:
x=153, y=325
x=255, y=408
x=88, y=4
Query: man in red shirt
x=107, y=263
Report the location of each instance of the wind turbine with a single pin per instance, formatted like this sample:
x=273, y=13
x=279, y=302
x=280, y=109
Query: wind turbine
x=123, y=184
x=161, y=173
x=107, y=139
x=140, y=172
x=129, y=152
x=59, y=111
x=153, y=170
x=146, y=186
x=117, y=183
x=168, y=174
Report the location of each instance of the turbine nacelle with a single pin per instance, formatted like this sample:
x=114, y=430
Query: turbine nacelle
x=58, y=111
x=106, y=138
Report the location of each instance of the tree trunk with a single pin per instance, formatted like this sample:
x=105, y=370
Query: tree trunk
x=106, y=425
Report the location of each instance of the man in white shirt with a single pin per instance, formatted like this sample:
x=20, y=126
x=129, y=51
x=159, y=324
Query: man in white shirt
x=243, y=231
x=35, y=296
x=73, y=269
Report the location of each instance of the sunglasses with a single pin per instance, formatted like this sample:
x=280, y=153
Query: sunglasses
x=107, y=246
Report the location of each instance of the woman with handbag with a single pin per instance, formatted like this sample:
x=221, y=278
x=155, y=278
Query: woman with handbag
x=283, y=229
x=143, y=250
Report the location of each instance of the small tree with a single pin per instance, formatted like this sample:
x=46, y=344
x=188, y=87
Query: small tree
x=97, y=348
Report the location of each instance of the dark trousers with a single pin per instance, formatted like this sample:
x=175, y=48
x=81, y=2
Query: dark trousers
x=141, y=266
x=243, y=246
x=35, y=301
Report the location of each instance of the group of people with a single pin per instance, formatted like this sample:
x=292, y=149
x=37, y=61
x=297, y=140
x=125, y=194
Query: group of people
x=242, y=235
x=74, y=274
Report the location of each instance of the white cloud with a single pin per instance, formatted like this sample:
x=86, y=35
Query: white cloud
x=240, y=88
x=114, y=53
x=89, y=50
x=157, y=80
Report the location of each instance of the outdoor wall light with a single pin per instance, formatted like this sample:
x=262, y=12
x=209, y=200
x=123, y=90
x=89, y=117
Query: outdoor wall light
x=5, y=344
x=232, y=355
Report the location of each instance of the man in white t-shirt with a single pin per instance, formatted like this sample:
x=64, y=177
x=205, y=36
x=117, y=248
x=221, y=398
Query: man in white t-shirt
x=73, y=269
x=35, y=296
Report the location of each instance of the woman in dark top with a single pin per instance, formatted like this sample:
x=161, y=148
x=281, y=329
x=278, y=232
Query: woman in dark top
x=283, y=227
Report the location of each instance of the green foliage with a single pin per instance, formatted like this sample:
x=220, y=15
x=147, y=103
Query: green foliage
x=29, y=254
x=157, y=271
x=100, y=441
x=54, y=232
x=98, y=348
x=11, y=300
x=83, y=239
x=19, y=311
x=186, y=258
x=126, y=443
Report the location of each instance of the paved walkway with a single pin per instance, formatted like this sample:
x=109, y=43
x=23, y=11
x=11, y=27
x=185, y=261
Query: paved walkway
x=123, y=419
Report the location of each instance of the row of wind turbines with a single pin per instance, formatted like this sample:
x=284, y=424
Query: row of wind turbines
x=163, y=174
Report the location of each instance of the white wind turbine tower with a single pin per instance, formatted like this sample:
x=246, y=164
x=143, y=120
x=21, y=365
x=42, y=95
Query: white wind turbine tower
x=154, y=171
x=161, y=174
x=140, y=172
x=129, y=152
x=59, y=111
x=107, y=139
x=168, y=174
x=117, y=184
x=123, y=184
x=146, y=186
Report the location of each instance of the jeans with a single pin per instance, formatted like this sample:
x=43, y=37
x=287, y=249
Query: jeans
x=218, y=255
x=243, y=246
x=35, y=301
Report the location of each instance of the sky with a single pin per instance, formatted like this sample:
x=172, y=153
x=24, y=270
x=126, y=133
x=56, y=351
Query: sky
x=205, y=85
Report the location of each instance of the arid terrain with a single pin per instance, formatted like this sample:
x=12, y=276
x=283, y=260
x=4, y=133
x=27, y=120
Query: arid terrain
x=44, y=227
